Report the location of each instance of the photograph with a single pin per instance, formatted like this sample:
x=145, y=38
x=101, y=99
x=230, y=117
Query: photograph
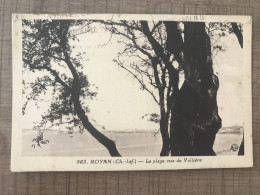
x=131, y=92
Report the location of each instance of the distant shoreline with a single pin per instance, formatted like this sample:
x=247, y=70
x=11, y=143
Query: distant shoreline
x=223, y=130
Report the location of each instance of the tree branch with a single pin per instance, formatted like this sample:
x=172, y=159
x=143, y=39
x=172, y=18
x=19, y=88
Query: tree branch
x=135, y=44
x=157, y=48
x=141, y=82
x=237, y=33
x=121, y=23
x=53, y=72
x=57, y=78
x=156, y=26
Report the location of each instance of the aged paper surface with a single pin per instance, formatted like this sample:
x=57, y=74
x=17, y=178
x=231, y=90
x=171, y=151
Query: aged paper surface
x=131, y=92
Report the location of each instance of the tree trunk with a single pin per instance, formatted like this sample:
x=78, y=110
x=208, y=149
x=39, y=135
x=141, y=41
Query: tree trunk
x=238, y=33
x=181, y=121
x=159, y=51
x=239, y=36
x=195, y=120
x=179, y=135
x=165, y=134
x=205, y=121
x=241, y=148
x=75, y=91
x=108, y=143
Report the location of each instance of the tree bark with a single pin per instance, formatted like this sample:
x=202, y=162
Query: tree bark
x=181, y=121
x=164, y=133
x=75, y=95
x=205, y=121
x=241, y=148
x=239, y=35
x=178, y=128
x=195, y=120
x=164, y=120
x=101, y=138
x=174, y=42
x=159, y=51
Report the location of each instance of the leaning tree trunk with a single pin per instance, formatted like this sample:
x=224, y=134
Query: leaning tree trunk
x=108, y=143
x=195, y=120
x=75, y=94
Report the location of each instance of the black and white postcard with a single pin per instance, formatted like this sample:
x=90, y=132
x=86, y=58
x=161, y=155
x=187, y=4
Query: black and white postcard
x=104, y=92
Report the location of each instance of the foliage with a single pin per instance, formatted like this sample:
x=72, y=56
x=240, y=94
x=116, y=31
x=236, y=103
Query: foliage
x=152, y=117
x=47, y=53
x=140, y=60
x=39, y=140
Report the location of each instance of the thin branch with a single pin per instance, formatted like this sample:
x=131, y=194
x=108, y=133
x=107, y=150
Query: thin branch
x=135, y=44
x=121, y=23
x=158, y=48
x=141, y=82
x=57, y=58
x=53, y=72
x=57, y=78
x=156, y=26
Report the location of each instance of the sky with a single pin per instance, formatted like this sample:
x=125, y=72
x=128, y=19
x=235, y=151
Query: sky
x=120, y=104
